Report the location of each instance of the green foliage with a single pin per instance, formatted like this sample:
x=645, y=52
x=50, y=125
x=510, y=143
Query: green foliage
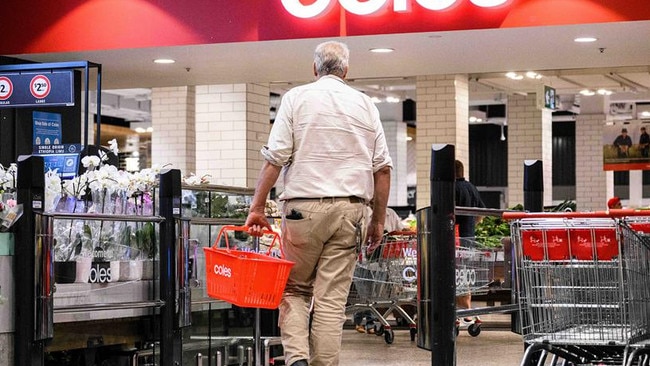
x=145, y=239
x=491, y=229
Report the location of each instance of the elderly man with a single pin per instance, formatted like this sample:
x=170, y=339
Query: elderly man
x=328, y=141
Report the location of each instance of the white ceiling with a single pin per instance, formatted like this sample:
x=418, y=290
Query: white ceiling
x=619, y=61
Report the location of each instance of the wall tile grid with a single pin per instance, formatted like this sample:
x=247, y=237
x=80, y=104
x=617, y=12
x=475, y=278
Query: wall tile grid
x=529, y=138
x=442, y=118
x=173, y=113
x=232, y=126
x=395, y=132
x=591, y=179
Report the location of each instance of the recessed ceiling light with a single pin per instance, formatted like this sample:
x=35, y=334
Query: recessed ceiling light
x=164, y=61
x=587, y=92
x=585, y=39
x=382, y=50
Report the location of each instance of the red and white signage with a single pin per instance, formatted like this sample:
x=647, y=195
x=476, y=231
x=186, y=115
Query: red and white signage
x=6, y=88
x=319, y=7
x=40, y=86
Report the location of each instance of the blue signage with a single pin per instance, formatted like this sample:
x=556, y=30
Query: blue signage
x=65, y=164
x=32, y=89
x=47, y=128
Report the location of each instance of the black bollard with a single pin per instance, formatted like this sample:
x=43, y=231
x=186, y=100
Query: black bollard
x=437, y=262
x=533, y=186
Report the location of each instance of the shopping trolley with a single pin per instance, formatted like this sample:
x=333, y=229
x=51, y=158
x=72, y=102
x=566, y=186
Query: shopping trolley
x=582, y=285
x=386, y=280
x=474, y=275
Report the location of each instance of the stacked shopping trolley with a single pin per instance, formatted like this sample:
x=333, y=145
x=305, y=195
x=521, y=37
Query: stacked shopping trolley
x=583, y=282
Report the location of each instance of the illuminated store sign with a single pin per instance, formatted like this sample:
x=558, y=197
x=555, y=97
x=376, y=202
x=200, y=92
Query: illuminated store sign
x=320, y=7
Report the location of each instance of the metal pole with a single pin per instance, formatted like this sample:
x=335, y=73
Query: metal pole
x=442, y=270
x=32, y=310
x=171, y=335
x=257, y=331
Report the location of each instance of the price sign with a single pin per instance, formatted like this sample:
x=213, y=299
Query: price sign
x=36, y=89
x=6, y=88
x=40, y=86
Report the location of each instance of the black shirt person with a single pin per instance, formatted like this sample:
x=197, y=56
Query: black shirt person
x=466, y=196
x=623, y=142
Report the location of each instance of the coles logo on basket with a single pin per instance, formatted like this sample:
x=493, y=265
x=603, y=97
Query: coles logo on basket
x=222, y=270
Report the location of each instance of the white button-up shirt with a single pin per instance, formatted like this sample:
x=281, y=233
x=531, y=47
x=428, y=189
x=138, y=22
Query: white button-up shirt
x=329, y=139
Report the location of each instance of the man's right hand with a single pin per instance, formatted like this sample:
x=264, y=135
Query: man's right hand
x=256, y=222
x=375, y=235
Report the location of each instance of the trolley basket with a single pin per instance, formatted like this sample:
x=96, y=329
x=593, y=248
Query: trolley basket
x=244, y=278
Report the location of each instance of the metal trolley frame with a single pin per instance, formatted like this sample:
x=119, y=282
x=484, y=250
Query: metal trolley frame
x=582, y=284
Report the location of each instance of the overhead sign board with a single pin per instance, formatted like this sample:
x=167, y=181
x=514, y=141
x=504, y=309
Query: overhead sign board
x=35, y=89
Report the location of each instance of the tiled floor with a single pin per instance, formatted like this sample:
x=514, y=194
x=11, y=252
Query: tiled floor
x=497, y=346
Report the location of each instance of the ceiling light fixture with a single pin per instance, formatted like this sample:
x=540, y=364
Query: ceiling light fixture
x=533, y=75
x=164, y=61
x=382, y=50
x=604, y=92
x=375, y=100
x=585, y=39
x=392, y=99
x=587, y=92
x=514, y=76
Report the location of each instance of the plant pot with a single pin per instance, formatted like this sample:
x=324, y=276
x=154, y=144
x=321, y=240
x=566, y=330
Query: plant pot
x=149, y=269
x=65, y=272
x=83, y=269
x=130, y=270
x=6, y=243
x=104, y=271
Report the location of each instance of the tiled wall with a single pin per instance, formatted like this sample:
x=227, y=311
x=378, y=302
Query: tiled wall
x=395, y=132
x=591, y=180
x=529, y=138
x=203, y=130
x=173, y=120
x=442, y=115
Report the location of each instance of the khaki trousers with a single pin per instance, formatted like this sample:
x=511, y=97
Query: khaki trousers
x=323, y=244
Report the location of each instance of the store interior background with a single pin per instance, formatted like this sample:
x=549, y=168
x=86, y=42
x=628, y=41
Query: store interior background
x=616, y=64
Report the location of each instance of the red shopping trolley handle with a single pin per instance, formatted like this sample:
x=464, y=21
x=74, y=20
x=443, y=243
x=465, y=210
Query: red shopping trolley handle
x=265, y=231
x=616, y=213
x=402, y=233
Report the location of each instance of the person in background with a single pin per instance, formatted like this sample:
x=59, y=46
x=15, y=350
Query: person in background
x=623, y=142
x=466, y=196
x=614, y=203
x=392, y=223
x=644, y=142
x=329, y=144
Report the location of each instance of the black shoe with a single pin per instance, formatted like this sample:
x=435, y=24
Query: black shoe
x=300, y=363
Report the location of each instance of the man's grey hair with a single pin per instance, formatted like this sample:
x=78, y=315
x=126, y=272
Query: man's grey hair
x=331, y=58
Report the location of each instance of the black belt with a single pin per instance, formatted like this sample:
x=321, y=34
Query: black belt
x=351, y=199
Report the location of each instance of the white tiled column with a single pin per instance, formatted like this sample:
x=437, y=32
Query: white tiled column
x=591, y=179
x=232, y=125
x=173, y=121
x=396, y=139
x=442, y=118
x=530, y=132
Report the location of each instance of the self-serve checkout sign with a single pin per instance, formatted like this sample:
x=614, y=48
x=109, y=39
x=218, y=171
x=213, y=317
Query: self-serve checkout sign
x=31, y=89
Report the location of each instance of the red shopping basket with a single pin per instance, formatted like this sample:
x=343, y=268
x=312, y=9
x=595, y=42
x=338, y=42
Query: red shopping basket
x=246, y=279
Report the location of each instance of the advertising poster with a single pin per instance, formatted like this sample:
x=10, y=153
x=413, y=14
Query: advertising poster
x=626, y=146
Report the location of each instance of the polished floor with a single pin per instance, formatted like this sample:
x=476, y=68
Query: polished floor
x=495, y=345
x=492, y=347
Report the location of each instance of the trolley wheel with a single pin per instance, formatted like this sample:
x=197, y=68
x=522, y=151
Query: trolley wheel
x=474, y=330
x=389, y=336
x=413, y=332
x=379, y=330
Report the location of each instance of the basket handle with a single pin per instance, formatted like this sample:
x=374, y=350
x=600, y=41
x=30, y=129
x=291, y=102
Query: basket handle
x=276, y=237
